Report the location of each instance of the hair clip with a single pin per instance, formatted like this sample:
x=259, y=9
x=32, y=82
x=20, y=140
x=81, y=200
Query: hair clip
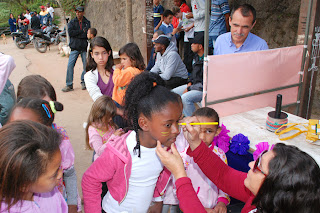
x=53, y=108
x=44, y=106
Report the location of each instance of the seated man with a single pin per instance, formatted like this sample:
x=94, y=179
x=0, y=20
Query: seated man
x=168, y=63
x=192, y=92
x=241, y=20
x=153, y=54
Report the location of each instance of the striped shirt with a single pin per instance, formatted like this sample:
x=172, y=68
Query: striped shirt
x=217, y=20
x=157, y=12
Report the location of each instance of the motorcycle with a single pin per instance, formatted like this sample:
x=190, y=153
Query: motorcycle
x=61, y=36
x=43, y=39
x=21, y=40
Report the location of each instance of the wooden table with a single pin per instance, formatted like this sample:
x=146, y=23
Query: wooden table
x=253, y=125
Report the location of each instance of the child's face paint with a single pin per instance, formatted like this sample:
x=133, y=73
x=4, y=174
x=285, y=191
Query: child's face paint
x=207, y=132
x=164, y=134
x=164, y=126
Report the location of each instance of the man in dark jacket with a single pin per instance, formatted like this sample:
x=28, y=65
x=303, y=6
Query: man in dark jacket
x=77, y=29
x=35, y=22
x=192, y=92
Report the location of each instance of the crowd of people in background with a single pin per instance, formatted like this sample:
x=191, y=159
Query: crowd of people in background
x=31, y=20
x=146, y=155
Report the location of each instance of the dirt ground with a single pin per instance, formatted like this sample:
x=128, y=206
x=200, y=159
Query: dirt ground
x=76, y=103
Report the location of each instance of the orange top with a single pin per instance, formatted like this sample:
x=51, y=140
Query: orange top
x=121, y=80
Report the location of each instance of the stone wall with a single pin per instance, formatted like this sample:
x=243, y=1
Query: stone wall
x=108, y=17
x=277, y=20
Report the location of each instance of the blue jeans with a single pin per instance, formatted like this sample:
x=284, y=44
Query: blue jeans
x=72, y=61
x=188, y=99
x=212, y=41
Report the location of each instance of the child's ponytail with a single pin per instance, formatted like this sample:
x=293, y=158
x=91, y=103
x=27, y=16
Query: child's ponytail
x=44, y=109
x=146, y=94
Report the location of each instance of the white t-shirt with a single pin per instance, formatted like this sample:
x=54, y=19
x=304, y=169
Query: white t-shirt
x=185, y=24
x=28, y=16
x=51, y=11
x=144, y=175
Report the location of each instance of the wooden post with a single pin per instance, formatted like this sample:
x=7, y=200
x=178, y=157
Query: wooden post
x=129, y=27
x=312, y=60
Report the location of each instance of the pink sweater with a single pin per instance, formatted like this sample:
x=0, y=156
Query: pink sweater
x=227, y=179
x=114, y=167
x=98, y=139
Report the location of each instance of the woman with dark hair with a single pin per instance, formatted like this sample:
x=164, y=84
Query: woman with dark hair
x=284, y=179
x=13, y=24
x=98, y=78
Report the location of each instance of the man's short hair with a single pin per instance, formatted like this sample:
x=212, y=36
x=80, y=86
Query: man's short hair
x=93, y=31
x=48, y=4
x=167, y=13
x=175, y=10
x=159, y=32
x=246, y=11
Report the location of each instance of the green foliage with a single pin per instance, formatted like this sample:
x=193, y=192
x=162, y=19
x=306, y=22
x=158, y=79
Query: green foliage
x=4, y=14
x=69, y=6
x=56, y=20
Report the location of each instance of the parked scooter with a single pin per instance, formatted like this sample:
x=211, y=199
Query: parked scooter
x=21, y=40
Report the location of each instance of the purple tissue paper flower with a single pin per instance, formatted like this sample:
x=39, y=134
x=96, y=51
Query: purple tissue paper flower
x=239, y=144
x=222, y=140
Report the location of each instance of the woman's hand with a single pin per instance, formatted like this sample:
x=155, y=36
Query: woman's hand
x=172, y=160
x=191, y=133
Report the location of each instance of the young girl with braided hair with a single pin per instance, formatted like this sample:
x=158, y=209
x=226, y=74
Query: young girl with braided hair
x=42, y=111
x=129, y=163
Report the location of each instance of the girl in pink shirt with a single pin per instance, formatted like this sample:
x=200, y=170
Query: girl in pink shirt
x=100, y=125
x=30, y=169
x=208, y=193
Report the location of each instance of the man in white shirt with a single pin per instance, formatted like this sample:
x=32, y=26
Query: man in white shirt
x=28, y=15
x=50, y=10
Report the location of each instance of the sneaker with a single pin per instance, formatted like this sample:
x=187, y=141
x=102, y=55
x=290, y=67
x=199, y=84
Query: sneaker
x=83, y=86
x=67, y=89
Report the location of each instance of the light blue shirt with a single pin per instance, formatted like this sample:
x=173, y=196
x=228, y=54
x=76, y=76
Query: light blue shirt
x=224, y=44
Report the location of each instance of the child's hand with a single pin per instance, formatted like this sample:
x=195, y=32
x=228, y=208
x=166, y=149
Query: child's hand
x=172, y=160
x=156, y=207
x=118, y=132
x=72, y=209
x=189, y=15
x=191, y=133
x=119, y=66
x=220, y=208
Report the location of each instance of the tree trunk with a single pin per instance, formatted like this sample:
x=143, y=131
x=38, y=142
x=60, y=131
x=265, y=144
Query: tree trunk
x=64, y=20
x=129, y=27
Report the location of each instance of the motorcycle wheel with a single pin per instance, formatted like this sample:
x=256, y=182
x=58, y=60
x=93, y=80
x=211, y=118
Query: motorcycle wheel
x=40, y=45
x=57, y=40
x=18, y=43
